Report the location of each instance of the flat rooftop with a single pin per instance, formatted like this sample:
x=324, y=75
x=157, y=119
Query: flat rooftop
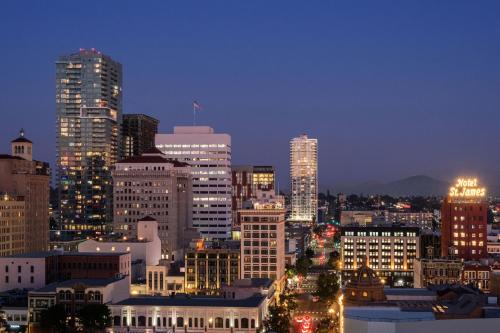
x=186, y=300
x=386, y=314
x=70, y=283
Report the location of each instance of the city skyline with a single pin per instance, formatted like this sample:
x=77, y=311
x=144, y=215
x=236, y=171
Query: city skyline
x=427, y=92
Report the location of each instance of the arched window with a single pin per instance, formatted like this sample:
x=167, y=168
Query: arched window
x=116, y=321
x=219, y=322
x=97, y=296
x=244, y=322
x=68, y=295
x=158, y=321
x=133, y=321
x=164, y=321
x=180, y=321
x=227, y=323
x=141, y=321
x=62, y=295
x=124, y=321
x=90, y=296
x=252, y=323
x=236, y=323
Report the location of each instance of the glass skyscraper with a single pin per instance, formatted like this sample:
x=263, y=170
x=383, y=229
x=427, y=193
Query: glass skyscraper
x=89, y=113
x=304, y=175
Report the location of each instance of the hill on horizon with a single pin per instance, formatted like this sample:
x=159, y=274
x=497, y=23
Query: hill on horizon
x=419, y=185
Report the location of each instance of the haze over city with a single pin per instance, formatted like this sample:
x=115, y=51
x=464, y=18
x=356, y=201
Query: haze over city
x=390, y=89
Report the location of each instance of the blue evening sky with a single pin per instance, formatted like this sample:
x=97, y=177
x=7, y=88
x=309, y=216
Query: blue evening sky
x=390, y=88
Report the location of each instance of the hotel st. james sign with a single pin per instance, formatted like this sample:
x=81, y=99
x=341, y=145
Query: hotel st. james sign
x=467, y=188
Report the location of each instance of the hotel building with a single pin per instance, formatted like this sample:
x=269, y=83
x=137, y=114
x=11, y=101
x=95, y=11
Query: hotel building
x=155, y=186
x=464, y=221
x=89, y=108
x=263, y=241
x=390, y=252
x=304, y=177
x=209, y=155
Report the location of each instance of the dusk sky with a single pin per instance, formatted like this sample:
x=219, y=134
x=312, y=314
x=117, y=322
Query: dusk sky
x=390, y=88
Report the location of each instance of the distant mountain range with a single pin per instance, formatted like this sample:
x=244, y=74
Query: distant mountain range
x=419, y=185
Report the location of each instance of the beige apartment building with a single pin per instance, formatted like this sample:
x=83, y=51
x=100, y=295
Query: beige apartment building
x=263, y=241
x=12, y=225
x=20, y=175
x=153, y=185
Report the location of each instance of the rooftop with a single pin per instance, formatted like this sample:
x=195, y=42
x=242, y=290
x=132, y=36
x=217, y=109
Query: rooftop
x=153, y=159
x=186, y=300
x=386, y=314
x=70, y=283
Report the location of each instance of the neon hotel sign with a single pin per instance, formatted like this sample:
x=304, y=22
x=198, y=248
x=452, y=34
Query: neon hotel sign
x=467, y=188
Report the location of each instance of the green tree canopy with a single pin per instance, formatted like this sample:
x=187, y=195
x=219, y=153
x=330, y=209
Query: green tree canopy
x=94, y=317
x=327, y=286
x=54, y=319
x=278, y=319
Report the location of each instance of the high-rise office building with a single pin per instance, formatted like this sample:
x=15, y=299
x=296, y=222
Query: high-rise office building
x=153, y=186
x=138, y=134
x=251, y=182
x=209, y=155
x=89, y=114
x=304, y=176
x=21, y=176
x=464, y=221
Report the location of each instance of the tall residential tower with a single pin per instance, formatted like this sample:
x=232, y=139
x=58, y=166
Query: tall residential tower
x=209, y=155
x=89, y=108
x=304, y=176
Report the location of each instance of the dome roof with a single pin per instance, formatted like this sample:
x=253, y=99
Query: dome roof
x=365, y=277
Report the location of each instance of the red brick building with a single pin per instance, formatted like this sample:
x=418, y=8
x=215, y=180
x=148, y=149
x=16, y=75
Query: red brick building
x=463, y=221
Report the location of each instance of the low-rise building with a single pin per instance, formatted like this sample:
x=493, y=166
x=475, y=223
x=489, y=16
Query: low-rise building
x=189, y=314
x=207, y=269
x=367, y=307
x=437, y=271
x=74, y=294
x=144, y=248
x=36, y=270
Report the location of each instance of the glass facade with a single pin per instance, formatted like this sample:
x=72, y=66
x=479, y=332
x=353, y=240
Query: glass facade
x=89, y=108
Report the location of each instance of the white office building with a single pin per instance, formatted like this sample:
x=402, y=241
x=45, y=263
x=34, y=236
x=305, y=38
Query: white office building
x=304, y=176
x=209, y=155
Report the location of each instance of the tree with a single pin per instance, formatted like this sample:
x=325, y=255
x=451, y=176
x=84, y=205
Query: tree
x=302, y=265
x=94, y=317
x=54, y=318
x=278, y=319
x=327, y=286
x=333, y=259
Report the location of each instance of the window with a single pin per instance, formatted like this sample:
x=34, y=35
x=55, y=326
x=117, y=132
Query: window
x=180, y=321
x=219, y=322
x=244, y=322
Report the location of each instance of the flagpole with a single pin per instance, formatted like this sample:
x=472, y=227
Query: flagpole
x=194, y=115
